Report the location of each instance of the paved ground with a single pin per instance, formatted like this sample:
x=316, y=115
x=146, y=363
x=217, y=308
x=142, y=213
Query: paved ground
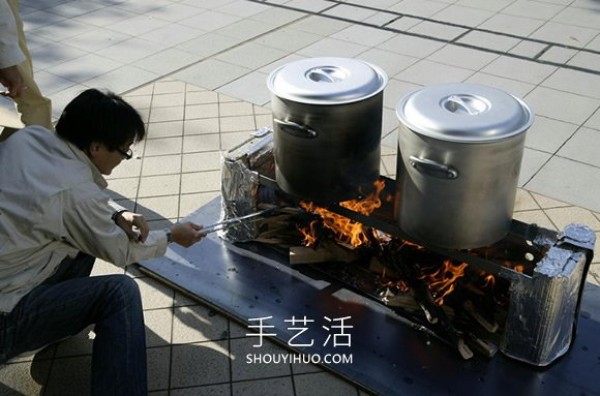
x=196, y=69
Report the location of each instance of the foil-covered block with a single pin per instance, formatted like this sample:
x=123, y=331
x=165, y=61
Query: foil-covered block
x=240, y=169
x=544, y=307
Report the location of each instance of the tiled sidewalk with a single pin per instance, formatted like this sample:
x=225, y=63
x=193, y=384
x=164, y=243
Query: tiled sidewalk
x=193, y=350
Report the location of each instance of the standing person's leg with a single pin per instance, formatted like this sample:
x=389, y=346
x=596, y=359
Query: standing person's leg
x=61, y=308
x=35, y=108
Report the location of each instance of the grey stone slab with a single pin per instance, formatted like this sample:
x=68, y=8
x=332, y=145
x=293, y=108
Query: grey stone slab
x=157, y=208
x=154, y=294
x=164, y=129
x=137, y=25
x=349, y=11
x=529, y=49
x=281, y=15
x=172, y=34
x=594, y=120
x=466, y=58
x=196, y=162
x=287, y=39
x=84, y=68
x=212, y=356
x=520, y=70
x=158, y=326
x=198, y=323
x=210, y=20
x=583, y=146
x=533, y=9
x=412, y=46
x=568, y=181
x=153, y=186
x=390, y=62
x=332, y=47
x=364, y=35
x=131, y=50
x=321, y=384
x=246, y=29
x=586, y=60
x=266, y=387
x=517, y=88
x=309, y=5
x=381, y=18
x=208, y=390
x=241, y=369
x=196, y=182
x=200, y=127
x=565, y=34
x=461, y=15
x=16, y=380
x=211, y=73
x=426, y=73
x=251, y=88
x=251, y=55
x=548, y=135
x=491, y=41
x=319, y=25
x=558, y=54
x=422, y=8
x=175, y=12
x=158, y=366
x=98, y=38
x=510, y=24
x=167, y=61
x=579, y=17
x=50, y=83
x=562, y=105
x=403, y=23
x=243, y=9
x=531, y=164
x=198, y=143
x=104, y=16
x=438, y=30
x=395, y=90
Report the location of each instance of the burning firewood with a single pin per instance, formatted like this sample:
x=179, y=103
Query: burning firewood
x=326, y=251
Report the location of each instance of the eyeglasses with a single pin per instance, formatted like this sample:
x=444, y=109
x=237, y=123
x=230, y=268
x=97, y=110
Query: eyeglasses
x=126, y=154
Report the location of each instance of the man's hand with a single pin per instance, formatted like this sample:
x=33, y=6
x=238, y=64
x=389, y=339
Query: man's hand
x=186, y=234
x=134, y=225
x=11, y=78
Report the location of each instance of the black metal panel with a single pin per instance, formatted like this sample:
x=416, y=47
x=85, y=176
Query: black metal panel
x=390, y=356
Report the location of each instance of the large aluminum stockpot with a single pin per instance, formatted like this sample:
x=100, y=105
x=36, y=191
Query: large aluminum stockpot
x=327, y=127
x=460, y=148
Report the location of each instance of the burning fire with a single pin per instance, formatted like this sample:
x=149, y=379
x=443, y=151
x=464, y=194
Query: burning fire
x=346, y=231
x=443, y=280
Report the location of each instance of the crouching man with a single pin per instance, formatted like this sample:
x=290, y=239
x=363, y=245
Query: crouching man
x=55, y=219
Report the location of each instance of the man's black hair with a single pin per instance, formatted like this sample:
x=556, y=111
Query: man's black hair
x=101, y=117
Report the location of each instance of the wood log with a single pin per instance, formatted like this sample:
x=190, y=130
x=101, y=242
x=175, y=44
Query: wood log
x=491, y=327
x=327, y=251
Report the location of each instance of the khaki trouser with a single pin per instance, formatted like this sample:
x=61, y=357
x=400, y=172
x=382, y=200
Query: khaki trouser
x=35, y=109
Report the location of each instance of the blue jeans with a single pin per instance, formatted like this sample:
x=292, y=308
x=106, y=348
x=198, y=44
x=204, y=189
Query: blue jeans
x=68, y=302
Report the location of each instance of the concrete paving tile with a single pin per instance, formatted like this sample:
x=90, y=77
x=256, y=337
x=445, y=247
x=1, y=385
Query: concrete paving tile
x=576, y=82
x=404, y=23
x=381, y=18
x=319, y=25
x=531, y=164
x=518, y=69
x=50, y=83
x=281, y=15
x=163, y=146
x=161, y=114
x=463, y=15
x=201, y=127
x=233, y=139
x=143, y=90
x=594, y=44
x=525, y=201
x=196, y=162
x=418, y=8
x=71, y=9
x=155, y=294
x=561, y=105
x=548, y=135
x=189, y=203
x=510, y=24
x=558, y=54
x=210, y=20
x=242, y=370
x=198, y=143
x=251, y=55
x=138, y=101
x=594, y=120
x=263, y=120
x=561, y=217
x=242, y=9
x=200, y=182
x=122, y=79
x=246, y=29
x=15, y=378
x=166, y=61
x=390, y=62
x=412, y=46
x=547, y=202
x=267, y=387
x=349, y=12
x=437, y=30
x=69, y=376
x=201, y=363
x=579, y=16
x=594, y=273
x=287, y=39
x=66, y=29
x=568, y=181
x=236, y=109
x=97, y=39
x=251, y=88
x=388, y=165
x=172, y=34
x=466, y=58
x=153, y=208
x=211, y=73
x=167, y=86
x=586, y=60
x=198, y=323
x=309, y=5
x=564, y=34
x=332, y=47
x=237, y=123
x=84, y=68
x=427, y=73
x=321, y=384
x=489, y=40
x=126, y=169
x=137, y=25
x=131, y=50
x=104, y=16
x=583, y=146
x=158, y=326
x=529, y=49
x=537, y=217
x=209, y=390
x=153, y=186
x=201, y=97
x=204, y=110
x=517, y=88
x=161, y=165
x=537, y=10
x=158, y=366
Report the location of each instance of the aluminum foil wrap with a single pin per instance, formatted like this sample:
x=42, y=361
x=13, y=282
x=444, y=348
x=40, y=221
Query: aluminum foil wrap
x=544, y=307
x=240, y=168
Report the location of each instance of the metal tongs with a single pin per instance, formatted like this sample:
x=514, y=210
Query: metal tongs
x=221, y=225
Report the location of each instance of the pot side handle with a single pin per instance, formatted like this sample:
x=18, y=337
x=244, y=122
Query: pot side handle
x=295, y=129
x=433, y=168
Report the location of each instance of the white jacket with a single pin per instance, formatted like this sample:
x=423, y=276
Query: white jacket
x=10, y=53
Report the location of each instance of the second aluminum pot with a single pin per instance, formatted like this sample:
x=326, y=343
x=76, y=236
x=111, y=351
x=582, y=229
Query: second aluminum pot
x=327, y=116
x=460, y=148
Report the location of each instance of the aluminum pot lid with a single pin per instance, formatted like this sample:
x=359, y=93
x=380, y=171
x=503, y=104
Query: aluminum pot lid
x=327, y=80
x=463, y=112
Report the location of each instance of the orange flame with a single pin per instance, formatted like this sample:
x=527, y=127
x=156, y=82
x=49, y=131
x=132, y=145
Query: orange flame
x=442, y=282
x=345, y=230
x=489, y=280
